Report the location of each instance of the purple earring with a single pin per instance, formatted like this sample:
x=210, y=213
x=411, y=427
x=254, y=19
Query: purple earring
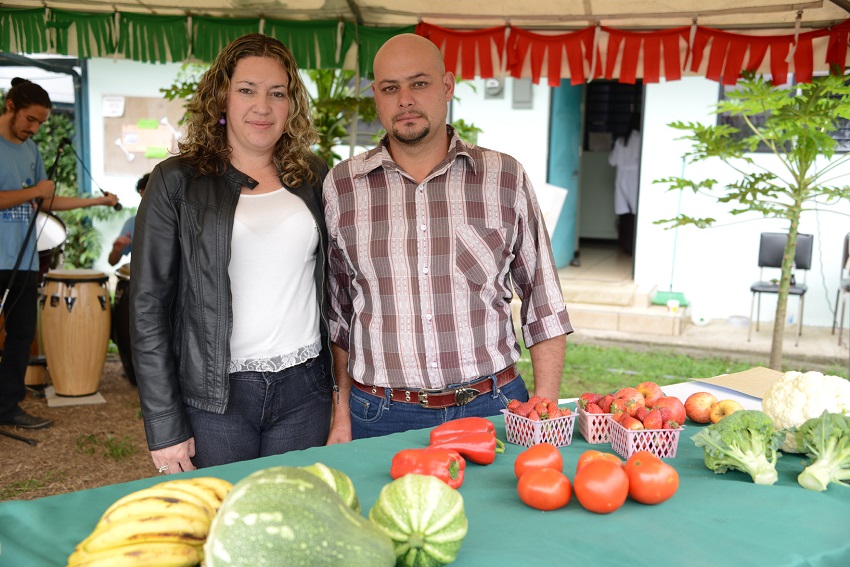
x=222, y=121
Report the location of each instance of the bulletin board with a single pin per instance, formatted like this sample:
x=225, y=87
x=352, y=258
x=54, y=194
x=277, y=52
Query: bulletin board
x=139, y=132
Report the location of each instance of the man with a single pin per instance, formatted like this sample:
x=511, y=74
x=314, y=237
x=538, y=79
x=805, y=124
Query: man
x=426, y=234
x=123, y=244
x=23, y=181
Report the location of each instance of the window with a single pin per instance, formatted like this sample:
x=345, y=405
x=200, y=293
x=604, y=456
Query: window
x=840, y=135
x=608, y=108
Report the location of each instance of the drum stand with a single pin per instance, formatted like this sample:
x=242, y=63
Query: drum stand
x=19, y=438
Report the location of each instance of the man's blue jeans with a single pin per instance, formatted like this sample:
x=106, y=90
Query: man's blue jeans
x=372, y=416
x=268, y=413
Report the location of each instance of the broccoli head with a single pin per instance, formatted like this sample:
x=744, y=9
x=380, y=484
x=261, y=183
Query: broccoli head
x=826, y=441
x=746, y=441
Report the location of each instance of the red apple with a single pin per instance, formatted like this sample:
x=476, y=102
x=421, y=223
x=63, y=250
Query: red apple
x=676, y=407
x=723, y=408
x=651, y=393
x=698, y=406
x=630, y=394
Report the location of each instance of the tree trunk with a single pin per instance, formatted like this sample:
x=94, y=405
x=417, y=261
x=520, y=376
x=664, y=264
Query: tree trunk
x=782, y=299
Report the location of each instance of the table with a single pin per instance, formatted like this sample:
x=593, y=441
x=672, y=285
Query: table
x=712, y=520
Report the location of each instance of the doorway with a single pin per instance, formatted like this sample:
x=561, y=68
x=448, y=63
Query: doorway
x=605, y=222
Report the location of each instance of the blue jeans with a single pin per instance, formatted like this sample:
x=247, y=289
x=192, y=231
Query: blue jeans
x=372, y=416
x=268, y=413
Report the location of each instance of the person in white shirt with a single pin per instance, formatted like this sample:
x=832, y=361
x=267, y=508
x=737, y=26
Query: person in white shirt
x=625, y=156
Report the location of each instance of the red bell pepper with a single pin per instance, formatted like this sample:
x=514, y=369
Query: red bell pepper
x=460, y=427
x=479, y=448
x=444, y=464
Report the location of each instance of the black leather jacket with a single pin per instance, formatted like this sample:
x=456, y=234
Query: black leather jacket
x=181, y=314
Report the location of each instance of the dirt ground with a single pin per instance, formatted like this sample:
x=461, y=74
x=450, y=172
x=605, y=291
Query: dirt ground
x=88, y=445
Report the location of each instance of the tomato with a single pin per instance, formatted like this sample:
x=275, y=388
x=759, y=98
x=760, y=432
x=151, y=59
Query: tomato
x=545, y=489
x=537, y=457
x=639, y=458
x=652, y=482
x=593, y=454
x=601, y=486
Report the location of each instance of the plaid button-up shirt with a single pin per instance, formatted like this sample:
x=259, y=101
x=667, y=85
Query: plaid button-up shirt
x=420, y=274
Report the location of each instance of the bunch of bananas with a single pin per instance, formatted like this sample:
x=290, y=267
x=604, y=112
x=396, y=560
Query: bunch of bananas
x=165, y=525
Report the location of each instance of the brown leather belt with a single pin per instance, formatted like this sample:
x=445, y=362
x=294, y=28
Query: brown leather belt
x=436, y=399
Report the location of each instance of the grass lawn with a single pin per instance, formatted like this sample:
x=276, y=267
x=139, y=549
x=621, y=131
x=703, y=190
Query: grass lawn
x=605, y=369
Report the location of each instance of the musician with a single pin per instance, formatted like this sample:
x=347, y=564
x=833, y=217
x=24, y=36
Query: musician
x=123, y=244
x=23, y=181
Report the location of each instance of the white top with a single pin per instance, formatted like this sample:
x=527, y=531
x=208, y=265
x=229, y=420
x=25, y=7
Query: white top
x=626, y=158
x=273, y=253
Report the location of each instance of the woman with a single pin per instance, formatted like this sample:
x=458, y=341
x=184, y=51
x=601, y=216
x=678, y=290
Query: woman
x=229, y=335
x=625, y=156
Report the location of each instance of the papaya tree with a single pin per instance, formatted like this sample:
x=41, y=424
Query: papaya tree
x=794, y=125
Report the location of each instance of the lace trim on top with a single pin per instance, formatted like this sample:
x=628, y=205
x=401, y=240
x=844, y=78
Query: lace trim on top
x=275, y=363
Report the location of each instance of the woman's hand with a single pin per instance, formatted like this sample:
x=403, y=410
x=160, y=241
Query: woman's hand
x=176, y=458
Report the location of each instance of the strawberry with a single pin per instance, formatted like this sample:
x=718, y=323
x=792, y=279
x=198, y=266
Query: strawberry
x=618, y=416
x=588, y=398
x=670, y=424
x=524, y=409
x=630, y=422
x=593, y=408
x=620, y=405
x=513, y=405
x=552, y=406
x=653, y=420
x=666, y=414
x=541, y=410
x=605, y=403
x=535, y=399
x=554, y=413
x=566, y=411
x=533, y=416
x=641, y=412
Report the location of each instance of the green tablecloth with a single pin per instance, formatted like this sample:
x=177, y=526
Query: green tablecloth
x=712, y=520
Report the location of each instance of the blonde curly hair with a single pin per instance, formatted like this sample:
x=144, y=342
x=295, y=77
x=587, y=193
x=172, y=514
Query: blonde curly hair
x=205, y=147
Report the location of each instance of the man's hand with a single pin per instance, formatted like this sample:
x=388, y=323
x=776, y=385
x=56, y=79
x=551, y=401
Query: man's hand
x=43, y=189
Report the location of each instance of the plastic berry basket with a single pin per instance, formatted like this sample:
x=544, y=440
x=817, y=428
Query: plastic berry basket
x=593, y=426
x=526, y=432
x=660, y=442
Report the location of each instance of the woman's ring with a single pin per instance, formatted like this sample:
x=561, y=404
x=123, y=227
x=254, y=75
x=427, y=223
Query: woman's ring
x=163, y=468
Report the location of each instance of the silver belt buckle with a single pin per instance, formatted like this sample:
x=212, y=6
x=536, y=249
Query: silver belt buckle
x=423, y=395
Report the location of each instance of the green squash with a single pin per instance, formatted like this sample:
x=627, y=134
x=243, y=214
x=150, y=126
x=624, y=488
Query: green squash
x=288, y=516
x=425, y=519
x=339, y=481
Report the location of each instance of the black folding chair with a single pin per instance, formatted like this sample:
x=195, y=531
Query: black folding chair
x=771, y=250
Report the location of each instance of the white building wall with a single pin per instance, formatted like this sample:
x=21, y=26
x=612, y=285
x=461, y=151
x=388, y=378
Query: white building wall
x=127, y=78
x=715, y=267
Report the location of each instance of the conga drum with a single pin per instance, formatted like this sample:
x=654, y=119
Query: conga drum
x=75, y=319
x=121, y=321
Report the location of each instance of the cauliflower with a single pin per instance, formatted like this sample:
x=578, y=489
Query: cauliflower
x=797, y=397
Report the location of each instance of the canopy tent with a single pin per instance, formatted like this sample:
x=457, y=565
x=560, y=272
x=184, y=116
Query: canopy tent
x=555, y=39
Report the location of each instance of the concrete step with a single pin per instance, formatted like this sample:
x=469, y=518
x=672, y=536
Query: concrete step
x=649, y=319
x=617, y=293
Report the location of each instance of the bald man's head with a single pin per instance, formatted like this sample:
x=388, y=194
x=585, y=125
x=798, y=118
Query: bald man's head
x=412, y=90
x=413, y=44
